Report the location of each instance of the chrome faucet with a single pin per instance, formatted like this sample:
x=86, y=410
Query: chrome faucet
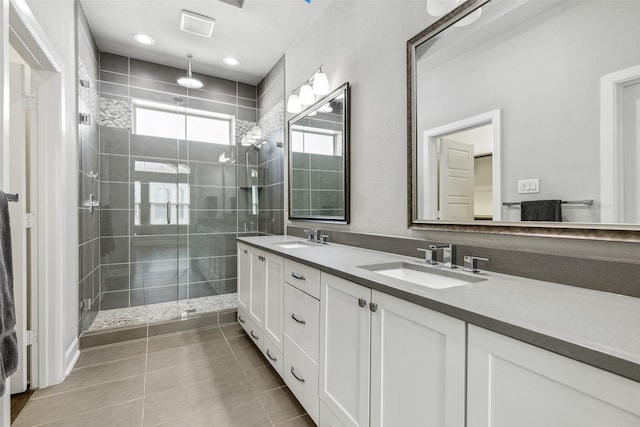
x=315, y=236
x=471, y=263
x=430, y=256
x=448, y=254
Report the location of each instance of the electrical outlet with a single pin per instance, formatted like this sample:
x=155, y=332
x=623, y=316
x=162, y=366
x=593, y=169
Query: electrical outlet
x=526, y=186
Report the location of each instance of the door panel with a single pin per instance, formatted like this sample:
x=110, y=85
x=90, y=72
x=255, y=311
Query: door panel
x=456, y=181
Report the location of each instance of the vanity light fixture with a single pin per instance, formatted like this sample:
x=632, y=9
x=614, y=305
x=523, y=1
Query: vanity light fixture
x=439, y=8
x=316, y=85
x=144, y=39
x=189, y=82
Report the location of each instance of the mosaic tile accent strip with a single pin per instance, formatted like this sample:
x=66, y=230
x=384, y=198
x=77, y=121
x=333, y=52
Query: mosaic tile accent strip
x=274, y=120
x=115, y=113
x=162, y=311
x=242, y=127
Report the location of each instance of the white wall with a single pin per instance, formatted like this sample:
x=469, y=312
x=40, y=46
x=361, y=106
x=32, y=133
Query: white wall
x=57, y=19
x=364, y=43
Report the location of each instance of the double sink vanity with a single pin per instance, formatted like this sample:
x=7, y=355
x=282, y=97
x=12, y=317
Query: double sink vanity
x=369, y=338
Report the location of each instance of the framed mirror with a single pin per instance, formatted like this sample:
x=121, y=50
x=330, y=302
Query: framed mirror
x=319, y=160
x=524, y=117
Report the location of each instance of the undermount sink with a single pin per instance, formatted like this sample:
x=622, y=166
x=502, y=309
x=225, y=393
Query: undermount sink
x=293, y=244
x=430, y=277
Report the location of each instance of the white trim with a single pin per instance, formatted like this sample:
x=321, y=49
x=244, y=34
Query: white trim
x=71, y=356
x=430, y=137
x=611, y=170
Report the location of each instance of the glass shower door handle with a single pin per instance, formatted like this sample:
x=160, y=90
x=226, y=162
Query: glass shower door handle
x=168, y=211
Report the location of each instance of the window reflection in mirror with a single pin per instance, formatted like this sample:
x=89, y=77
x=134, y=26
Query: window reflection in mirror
x=318, y=162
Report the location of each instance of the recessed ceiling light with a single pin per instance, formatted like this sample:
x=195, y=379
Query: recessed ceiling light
x=231, y=61
x=144, y=39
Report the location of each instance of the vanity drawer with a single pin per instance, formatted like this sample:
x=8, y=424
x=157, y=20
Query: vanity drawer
x=273, y=355
x=303, y=277
x=301, y=375
x=252, y=330
x=302, y=320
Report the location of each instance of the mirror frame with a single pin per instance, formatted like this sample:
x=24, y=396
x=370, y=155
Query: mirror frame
x=346, y=137
x=611, y=232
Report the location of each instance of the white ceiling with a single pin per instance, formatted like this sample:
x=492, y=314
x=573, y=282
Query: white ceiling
x=257, y=35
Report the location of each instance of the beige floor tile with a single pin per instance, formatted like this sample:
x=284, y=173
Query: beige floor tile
x=95, y=356
x=232, y=330
x=163, y=380
x=303, y=421
x=226, y=392
x=187, y=354
x=249, y=356
x=166, y=342
x=280, y=404
x=97, y=374
x=61, y=405
x=264, y=378
x=128, y=414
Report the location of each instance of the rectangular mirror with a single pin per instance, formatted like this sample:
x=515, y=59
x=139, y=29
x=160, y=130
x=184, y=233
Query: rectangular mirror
x=525, y=111
x=319, y=160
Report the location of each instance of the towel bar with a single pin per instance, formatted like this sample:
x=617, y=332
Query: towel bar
x=588, y=202
x=11, y=197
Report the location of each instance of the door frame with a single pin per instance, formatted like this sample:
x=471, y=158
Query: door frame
x=20, y=28
x=427, y=153
x=611, y=152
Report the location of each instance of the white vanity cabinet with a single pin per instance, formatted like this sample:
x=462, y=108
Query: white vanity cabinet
x=513, y=383
x=384, y=358
x=260, y=298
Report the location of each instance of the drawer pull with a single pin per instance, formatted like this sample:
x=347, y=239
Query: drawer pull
x=293, y=372
x=241, y=319
x=298, y=276
x=271, y=357
x=254, y=336
x=302, y=322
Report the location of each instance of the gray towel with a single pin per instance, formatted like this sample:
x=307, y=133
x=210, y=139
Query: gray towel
x=541, y=210
x=8, y=339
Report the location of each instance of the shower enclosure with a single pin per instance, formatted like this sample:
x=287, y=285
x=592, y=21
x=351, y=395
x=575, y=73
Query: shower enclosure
x=174, y=187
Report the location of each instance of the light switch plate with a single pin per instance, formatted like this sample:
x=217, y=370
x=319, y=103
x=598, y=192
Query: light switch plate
x=526, y=186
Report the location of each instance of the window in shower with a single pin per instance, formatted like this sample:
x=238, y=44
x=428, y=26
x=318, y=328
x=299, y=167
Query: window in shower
x=316, y=142
x=169, y=121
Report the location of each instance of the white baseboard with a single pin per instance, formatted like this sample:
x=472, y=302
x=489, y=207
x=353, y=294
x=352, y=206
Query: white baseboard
x=71, y=356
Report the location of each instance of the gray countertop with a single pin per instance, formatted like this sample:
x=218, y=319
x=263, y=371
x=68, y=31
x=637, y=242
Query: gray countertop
x=597, y=328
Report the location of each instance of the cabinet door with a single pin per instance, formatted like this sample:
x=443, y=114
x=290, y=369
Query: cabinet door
x=273, y=299
x=345, y=323
x=244, y=277
x=417, y=365
x=512, y=383
x=256, y=294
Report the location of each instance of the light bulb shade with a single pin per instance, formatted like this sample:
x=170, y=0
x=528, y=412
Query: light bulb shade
x=189, y=82
x=321, y=84
x=306, y=95
x=293, y=104
x=469, y=19
x=441, y=7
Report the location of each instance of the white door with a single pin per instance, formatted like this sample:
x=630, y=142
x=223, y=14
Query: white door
x=417, y=366
x=511, y=383
x=18, y=184
x=273, y=299
x=244, y=277
x=456, y=180
x=256, y=294
x=345, y=324
x=631, y=154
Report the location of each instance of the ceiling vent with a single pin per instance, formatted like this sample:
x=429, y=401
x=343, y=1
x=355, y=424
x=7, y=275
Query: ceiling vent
x=197, y=24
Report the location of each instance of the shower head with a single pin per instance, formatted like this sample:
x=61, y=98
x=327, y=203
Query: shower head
x=188, y=81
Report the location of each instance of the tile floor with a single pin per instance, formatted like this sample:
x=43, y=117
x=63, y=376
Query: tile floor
x=207, y=377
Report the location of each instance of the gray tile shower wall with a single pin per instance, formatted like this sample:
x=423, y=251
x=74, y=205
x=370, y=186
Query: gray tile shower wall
x=144, y=261
x=271, y=154
x=88, y=165
x=588, y=269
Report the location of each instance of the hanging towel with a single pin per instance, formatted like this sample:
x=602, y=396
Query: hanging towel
x=8, y=339
x=541, y=210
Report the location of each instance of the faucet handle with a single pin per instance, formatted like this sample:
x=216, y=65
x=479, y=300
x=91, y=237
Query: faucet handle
x=311, y=234
x=430, y=256
x=471, y=263
x=323, y=239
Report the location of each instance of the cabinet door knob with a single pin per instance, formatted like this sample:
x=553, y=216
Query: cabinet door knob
x=302, y=322
x=293, y=372
x=271, y=357
x=362, y=302
x=298, y=276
